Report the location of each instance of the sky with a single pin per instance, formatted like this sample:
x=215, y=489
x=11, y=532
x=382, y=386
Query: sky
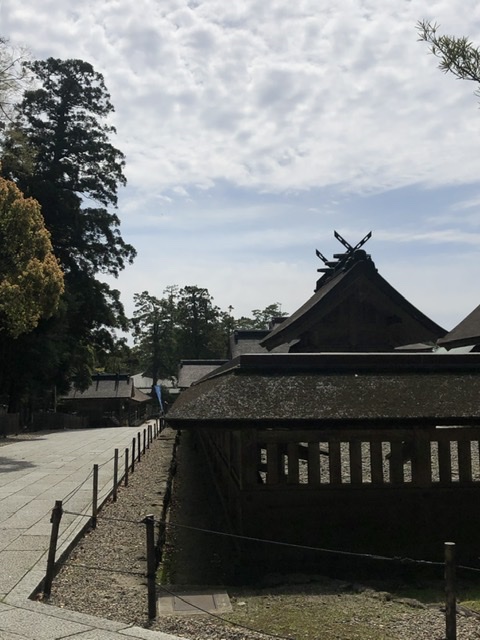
x=253, y=129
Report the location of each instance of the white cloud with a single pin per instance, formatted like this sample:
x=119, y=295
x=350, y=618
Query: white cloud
x=304, y=94
x=216, y=101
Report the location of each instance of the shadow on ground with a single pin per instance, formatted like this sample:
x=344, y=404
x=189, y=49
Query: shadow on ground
x=8, y=465
x=195, y=557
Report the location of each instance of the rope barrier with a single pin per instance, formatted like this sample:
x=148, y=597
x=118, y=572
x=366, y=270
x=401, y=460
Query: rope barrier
x=124, y=571
x=103, y=517
x=339, y=552
x=106, y=461
x=77, y=489
x=369, y=556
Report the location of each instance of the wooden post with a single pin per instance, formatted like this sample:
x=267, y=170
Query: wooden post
x=115, y=475
x=139, y=448
x=152, y=592
x=450, y=595
x=55, y=519
x=95, y=496
x=126, y=467
x=144, y=440
x=133, y=454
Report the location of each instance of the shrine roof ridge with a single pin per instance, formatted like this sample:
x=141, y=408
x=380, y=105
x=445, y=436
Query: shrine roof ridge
x=349, y=362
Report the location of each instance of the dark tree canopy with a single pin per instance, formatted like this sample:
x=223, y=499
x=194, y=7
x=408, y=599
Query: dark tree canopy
x=58, y=150
x=70, y=160
x=261, y=318
x=154, y=338
x=186, y=324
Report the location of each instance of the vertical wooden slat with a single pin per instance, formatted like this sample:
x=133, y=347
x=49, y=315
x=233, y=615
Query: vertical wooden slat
x=273, y=463
x=293, y=466
x=313, y=463
x=248, y=458
x=335, y=462
x=396, y=462
x=450, y=592
x=236, y=453
x=465, y=460
x=355, y=449
x=444, y=461
x=376, y=462
x=421, y=459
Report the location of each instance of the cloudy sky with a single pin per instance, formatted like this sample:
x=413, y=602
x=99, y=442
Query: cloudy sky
x=254, y=128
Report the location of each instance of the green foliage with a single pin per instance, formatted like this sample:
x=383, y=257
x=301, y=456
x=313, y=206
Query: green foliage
x=183, y=324
x=118, y=358
x=199, y=325
x=58, y=150
x=186, y=325
x=31, y=280
x=71, y=160
x=155, y=341
x=261, y=317
x=456, y=55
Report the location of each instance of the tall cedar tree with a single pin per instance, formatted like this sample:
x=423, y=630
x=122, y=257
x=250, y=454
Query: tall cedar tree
x=58, y=151
x=154, y=335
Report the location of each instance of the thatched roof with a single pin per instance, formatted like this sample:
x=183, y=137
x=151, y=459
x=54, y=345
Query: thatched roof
x=467, y=332
x=190, y=371
x=324, y=390
x=108, y=385
x=401, y=322
x=243, y=341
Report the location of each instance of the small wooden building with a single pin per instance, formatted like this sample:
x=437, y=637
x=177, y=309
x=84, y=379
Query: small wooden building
x=111, y=400
x=377, y=453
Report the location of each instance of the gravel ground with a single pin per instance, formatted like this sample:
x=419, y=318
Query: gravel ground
x=104, y=576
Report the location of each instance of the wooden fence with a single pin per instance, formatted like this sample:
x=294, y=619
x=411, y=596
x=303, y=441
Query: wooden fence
x=362, y=489
x=9, y=424
x=53, y=421
x=370, y=458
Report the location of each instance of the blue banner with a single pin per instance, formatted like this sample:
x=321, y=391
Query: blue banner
x=158, y=393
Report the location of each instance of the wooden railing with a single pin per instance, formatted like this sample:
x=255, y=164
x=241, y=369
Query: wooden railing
x=407, y=457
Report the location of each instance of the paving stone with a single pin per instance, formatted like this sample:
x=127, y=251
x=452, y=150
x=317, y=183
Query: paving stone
x=7, y=536
x=145, y=634
x=34, y=474
x=35, y=626
x=29, y=543
x=14, y=565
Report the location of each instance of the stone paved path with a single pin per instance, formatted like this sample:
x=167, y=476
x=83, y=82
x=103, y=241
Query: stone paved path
x=33, y=474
